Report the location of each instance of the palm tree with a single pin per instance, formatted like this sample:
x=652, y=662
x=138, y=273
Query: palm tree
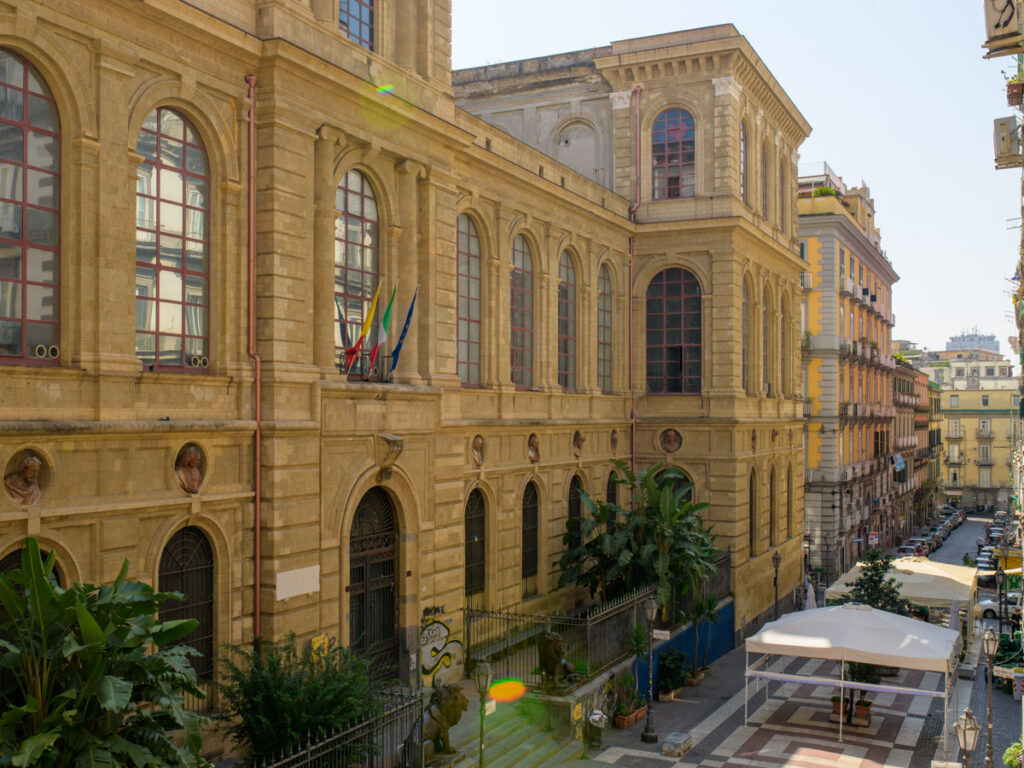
x=702, y=611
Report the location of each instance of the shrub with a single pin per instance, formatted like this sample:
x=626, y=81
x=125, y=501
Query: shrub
x=274, y=699
x=83, y=681
x=671, y=670
x=824, y=191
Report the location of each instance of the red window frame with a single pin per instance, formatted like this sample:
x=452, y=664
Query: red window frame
x=521, y=322
x=172, y=249
x=566, y=323
x=29, y=249
x=604, y=329
x=356, y=267
x=468, y=310
x=356, y=18
x=673, y=155
x=673, y=313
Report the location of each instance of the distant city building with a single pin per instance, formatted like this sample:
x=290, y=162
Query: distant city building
x=973, y=341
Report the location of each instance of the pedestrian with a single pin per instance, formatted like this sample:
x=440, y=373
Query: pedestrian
x=980, y=541
x=1015, y=621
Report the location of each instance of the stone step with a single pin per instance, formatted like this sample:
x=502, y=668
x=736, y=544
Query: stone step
x=512, y=741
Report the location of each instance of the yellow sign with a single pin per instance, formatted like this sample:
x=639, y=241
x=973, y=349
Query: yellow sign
x=577, y=711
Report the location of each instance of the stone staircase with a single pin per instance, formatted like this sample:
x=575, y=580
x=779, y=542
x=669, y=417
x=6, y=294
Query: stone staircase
x=512, y=740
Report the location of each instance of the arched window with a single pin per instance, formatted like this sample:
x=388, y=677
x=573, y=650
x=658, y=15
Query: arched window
x=530, y=541
x=783, y=358
x=566, y=323
x=789, y=501
x=673, y=155
x=611, y=496
x=782, y=195
x=172, y=245
x=773, y=519
x=745, y=336
x=765, y=334
x=522, y=313
x=673, y=332
x=29, y=215
x=680, y=482
x=186, y=566
x=575, y=518
x=752, y=511
x=356, y=266
x=604, y=329
x=469, y=302
x=744, y=164
x=12, y=562
x=355, y=17
x=476, y=551
x=764, y=179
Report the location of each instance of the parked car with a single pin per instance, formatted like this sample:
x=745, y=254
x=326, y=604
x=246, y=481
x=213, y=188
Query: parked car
x=995, y=534
x=910, y=550
x=926, y=545
x=989, y=607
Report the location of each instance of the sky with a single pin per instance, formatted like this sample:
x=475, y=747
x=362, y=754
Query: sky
x=897, y=95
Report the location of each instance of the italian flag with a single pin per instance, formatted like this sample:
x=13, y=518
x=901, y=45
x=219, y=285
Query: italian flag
x=352, y=352
x=385, y=323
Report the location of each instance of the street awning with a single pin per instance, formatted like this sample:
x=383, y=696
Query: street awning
x=897, y=462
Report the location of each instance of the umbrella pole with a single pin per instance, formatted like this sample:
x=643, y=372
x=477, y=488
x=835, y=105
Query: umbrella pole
x=746, y=686
x=945, y=718
x=842, y=695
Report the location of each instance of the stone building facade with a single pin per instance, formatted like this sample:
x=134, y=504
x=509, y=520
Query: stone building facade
x=980, y=430
x=848, y=374
x=207, y=198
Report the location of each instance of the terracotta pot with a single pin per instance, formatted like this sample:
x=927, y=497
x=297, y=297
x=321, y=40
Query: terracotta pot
x=624, y=721
x=667, y=695
x=862, y=710
x=1014, y=94
x=836, y=707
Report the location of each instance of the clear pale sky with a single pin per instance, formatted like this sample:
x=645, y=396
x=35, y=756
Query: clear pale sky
x=897, y=95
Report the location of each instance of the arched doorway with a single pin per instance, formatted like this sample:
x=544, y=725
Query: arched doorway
x=373, y=595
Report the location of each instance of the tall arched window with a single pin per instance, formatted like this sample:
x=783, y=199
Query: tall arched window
x=530, y=540
x=674, y=332
x=356, y=265
x=783, y=358
x=566, y=323
x=611, y=496
x=476, y=551
x=673, y=155
x=29, y=215
x=522, y=313
x=12, y=562
x=186, y=566
x=782, y=195
x=745, y=339
x=789, y=501
x=764, y=179
x=765, y=337
x=744, y=165
x=752, y=511
x=468, y=248
x=355, y=17
x=604, y=329
x=575, y=518
x=172, y=245
x=773, y=518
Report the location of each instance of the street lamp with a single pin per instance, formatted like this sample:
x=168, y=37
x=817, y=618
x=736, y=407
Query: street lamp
x=990, y=644
x=1000, y=579
x=650, y=611
x=776, y=561
x=967, y=730
x=482, y=677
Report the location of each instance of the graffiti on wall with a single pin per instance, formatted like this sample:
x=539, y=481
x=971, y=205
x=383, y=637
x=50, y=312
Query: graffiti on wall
x=437, y=652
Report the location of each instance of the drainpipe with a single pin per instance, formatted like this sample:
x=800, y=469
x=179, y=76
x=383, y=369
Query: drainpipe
x=257, y=511
x=637, y=90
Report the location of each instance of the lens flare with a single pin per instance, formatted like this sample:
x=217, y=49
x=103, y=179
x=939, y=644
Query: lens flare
x=385, y=88
x=508, y=689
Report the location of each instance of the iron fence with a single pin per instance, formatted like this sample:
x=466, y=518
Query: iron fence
x=390, y=739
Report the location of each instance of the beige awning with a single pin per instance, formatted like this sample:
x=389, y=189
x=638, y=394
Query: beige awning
x=922, y=582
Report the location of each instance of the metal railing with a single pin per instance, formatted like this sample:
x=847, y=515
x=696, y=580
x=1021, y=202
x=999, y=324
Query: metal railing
x=390, y=739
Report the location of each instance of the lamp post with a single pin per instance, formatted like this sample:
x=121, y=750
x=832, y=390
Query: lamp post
x=650, y=611
x=1000, y=579
x=482, y=678
x=967, y=730
x=990, y=644
x=776, y=561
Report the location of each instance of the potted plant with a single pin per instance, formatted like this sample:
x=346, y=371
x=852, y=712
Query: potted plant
x=629, y=708
x=862, y=673
x=862, y=708
x=672, y=673
x=1015, y=90
x=838, y=706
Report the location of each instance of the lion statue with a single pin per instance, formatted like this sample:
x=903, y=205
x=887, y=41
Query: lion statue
x=447, y=703
x=555, y=670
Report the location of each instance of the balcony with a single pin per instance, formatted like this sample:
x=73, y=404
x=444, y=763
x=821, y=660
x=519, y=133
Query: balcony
x=984, y=434
x=954, y=436
x=985, y=462
x=954, y=461
x=846, y=286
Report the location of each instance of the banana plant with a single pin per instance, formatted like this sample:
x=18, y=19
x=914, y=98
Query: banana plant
x=86, y=677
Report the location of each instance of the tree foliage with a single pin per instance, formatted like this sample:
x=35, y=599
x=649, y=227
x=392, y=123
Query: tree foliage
x=83, y=681
x=876, y=587
x=659, y=540
x=275, y=698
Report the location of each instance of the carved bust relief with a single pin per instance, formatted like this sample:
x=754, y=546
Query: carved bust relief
x=21, y=481
x=189, y=468
x=671, y=441
x=477, y=451
x=533, y=448
x=577, y=443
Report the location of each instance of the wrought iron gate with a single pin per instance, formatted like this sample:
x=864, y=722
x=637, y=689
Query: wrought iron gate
x=372, y=595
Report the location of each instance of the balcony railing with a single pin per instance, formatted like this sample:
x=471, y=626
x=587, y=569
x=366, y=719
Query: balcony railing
x=984, y=434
